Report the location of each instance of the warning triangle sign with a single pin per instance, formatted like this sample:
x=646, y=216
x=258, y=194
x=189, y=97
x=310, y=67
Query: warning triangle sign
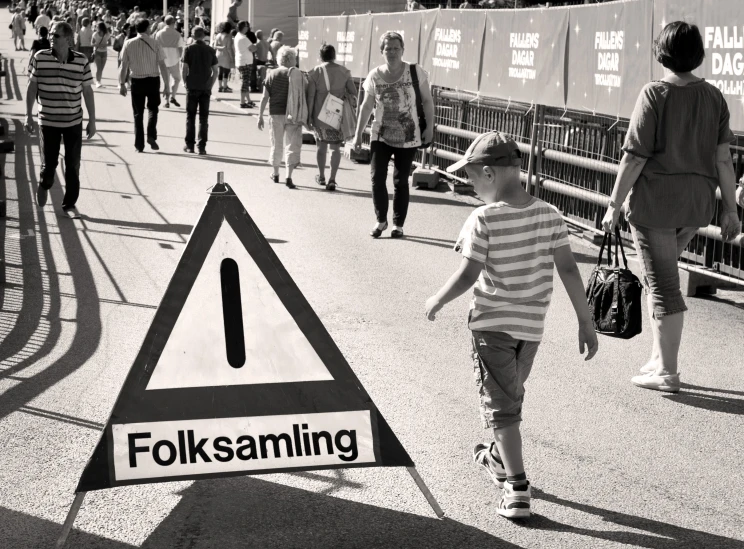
x=237, y=375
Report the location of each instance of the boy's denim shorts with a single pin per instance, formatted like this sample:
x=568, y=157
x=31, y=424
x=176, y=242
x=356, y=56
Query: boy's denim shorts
x=658, y=251
x=501, y=365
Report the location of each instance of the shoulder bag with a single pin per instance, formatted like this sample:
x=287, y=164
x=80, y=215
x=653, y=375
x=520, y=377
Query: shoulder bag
x=614, y=294
x=419, y=105
x=333, y=107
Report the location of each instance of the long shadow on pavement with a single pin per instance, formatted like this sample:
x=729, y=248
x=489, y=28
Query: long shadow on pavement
x=247, y=512
x=19, y=342
x=699, y=397
x=221, y=159
x=661, y=535
x=416, y=198
x=175, y=228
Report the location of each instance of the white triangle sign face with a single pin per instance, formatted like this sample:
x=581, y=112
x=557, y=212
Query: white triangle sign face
x=276, y=350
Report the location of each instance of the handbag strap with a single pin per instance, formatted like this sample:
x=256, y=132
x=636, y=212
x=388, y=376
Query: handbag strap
x=605, y=238
x=325, y=76
x=619, y=243
x=419, y=102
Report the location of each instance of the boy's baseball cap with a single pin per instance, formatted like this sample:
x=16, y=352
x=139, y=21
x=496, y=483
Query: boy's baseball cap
x=490, y=149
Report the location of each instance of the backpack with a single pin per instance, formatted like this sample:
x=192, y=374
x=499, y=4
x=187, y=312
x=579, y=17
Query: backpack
x=614, y=294
x=119, y=42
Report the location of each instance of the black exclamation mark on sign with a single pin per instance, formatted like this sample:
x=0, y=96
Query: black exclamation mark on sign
x=232, y=312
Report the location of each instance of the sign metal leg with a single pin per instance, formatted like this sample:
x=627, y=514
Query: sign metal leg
x=67, y=526
x=424, y=490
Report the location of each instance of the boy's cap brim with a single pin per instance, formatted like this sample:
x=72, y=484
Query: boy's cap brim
x=490, y=149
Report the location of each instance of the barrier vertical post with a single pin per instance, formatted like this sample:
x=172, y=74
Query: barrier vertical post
x=532, y=159
x=540, y=114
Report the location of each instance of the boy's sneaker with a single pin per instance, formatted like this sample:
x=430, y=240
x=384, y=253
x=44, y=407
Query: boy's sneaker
x=515, y=501
x=483, y=456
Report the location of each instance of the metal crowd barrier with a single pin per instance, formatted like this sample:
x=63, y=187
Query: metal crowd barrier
x=570, y=159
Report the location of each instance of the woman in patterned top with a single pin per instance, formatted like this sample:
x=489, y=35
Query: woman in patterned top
x=677, y=152
x=396, y=130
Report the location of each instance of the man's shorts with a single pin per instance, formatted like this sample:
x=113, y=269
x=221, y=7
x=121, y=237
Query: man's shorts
x=501, y=365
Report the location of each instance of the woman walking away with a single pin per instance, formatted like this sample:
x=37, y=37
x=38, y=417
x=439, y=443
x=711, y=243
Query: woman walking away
x=676, y=155
x=223, y=43
x=285, y=121
x=328, y=77
x=100, y=42
x=85, y=39
x=244, y=49
x=18, y=29
x=396, y=130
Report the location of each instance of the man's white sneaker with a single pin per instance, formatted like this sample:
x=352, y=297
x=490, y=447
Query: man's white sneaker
x=667, y=384
x=515, y=501
x=483, y=456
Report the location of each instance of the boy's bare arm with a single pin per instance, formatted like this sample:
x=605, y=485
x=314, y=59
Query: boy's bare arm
x=567, y=269
x=459, y=283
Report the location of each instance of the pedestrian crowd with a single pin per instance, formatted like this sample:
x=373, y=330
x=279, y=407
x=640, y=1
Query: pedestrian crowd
x=510, y=246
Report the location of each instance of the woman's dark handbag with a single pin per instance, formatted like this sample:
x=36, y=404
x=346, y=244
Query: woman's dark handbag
x=419, y=105
x=614, y=294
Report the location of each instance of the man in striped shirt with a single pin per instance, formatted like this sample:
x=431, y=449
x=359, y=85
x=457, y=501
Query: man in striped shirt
x=145, y=58
x=509, y=247
x=59, y=77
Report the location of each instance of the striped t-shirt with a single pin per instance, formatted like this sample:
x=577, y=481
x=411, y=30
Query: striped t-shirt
x=277, y=83
x=60, y=87
x=516, y=244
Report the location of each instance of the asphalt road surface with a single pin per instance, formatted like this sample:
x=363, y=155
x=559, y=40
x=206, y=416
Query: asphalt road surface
x=611, y=465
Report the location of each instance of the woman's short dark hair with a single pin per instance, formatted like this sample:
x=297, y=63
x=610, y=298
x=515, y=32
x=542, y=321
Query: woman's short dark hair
x=327, y=53
x=243, y=25
x=227, y=27
x=43, y=32
x=142, y=25
x=679, y=47
x=102, y=27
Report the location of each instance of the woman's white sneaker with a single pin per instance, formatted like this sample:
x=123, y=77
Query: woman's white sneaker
x=667, y=383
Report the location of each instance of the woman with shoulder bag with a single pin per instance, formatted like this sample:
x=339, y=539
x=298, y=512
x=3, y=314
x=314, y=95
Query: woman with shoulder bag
x=285, y=119
x=401, y=109
x=677, y=152
x=328, y=78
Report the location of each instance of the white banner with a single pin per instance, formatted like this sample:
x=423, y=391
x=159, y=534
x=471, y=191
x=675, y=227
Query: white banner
x=223, y=445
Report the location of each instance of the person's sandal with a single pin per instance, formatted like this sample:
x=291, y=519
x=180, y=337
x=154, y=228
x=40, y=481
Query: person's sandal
x=331, y=186
x=377, y=230
x=274, y=177
x=289, y=184
x=320, y=180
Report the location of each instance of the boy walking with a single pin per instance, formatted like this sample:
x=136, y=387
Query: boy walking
x=509, y=247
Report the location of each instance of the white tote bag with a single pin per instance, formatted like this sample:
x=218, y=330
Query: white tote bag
x=333, y=107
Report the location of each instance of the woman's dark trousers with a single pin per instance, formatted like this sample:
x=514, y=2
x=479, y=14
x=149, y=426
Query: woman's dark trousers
x=402, y=160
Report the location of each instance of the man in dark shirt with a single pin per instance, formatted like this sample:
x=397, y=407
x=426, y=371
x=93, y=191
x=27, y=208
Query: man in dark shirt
x=199, y=72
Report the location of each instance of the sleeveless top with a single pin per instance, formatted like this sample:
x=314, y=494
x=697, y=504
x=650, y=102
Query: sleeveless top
x=396, y=120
